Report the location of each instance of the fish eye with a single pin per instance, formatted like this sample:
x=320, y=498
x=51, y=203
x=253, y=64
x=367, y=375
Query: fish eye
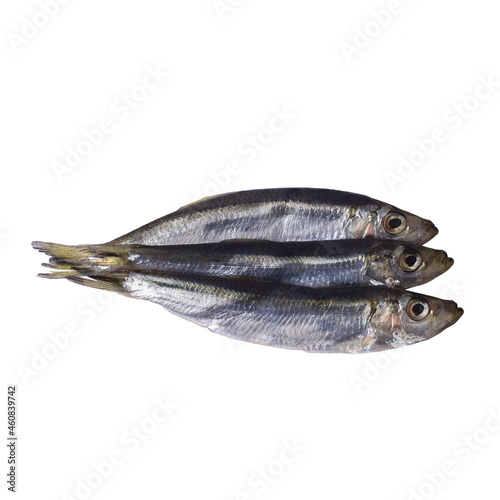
x=417, y=309
x=394, y=223
x=410, y=261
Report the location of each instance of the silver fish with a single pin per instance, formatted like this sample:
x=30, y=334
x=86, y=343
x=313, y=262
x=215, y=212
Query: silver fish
x=337, y=319
x=303, y=263
x=290, y=214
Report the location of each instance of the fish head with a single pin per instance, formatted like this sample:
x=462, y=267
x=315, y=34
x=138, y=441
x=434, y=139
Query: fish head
x=381, y=221
x=407, y=318
x=404, y=264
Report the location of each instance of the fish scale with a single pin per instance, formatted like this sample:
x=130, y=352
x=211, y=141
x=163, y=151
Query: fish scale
x=287, y=214
x=316, y=264
x=296, y=268
x=335, y=319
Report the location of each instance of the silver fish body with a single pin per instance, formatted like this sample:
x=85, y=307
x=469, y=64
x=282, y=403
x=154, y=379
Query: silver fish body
x=337, y=319
x=306, y=263
x=288, y=214
x=348, y=319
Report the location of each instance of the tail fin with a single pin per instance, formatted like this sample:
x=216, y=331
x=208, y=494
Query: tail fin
x=98, y=266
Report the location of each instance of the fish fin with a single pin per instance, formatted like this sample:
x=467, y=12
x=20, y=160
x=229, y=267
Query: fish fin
x=59, y=274
x=84, y=260
x=203, y=200
x=104, y=267
x=109, y=284
x=190, y=206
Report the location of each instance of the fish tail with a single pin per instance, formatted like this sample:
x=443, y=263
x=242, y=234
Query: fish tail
x=108, y=283
x=98, y=266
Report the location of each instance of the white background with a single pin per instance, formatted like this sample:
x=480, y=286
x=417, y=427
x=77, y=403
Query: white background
x=367, y=426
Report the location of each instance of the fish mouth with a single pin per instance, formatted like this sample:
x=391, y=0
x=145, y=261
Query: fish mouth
x=441, y=265
x=430, y=231
x=438, y=264
x=420, y=230
x=454, y=316
x=447, y=261
x=457, y=315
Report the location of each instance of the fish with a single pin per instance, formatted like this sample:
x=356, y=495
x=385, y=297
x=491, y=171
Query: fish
x=350, y=319
x=303, y=263
x=285, y=214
